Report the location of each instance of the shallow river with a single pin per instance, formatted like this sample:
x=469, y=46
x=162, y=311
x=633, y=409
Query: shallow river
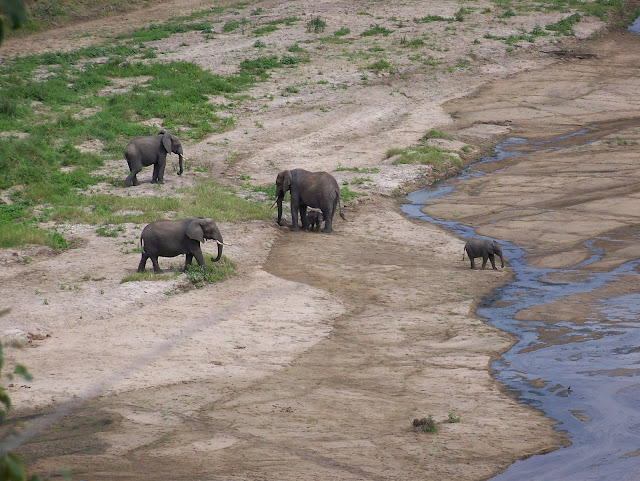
x=588, y=379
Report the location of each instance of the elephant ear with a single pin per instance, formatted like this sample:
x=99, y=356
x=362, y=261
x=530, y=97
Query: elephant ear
x=195, y=231
x=166, y=142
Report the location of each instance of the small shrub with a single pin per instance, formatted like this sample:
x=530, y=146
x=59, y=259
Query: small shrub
x=452, y=418
x=428, y=425
x=211, y=271
x=376, y=30
x=232, y=25
x=316, y=25
x=380, y=66
x=259, y=44
x=342, y=32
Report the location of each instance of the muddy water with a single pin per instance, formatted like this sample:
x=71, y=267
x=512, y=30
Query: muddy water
x=581, y=370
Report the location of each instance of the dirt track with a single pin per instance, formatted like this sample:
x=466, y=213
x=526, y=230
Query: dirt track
x=313, y=361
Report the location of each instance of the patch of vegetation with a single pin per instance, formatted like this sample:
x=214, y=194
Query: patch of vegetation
x=316, y=25
x=363, y=170
x=376, y=30
x=347, y=194
x=423, y=154
x=110, y=230
x=341, y=32
x=380, y=66
x=433, y=18
x=436, y=134
x=413, y=43
x=564, y=26
x=232, y=25
x=428, y=425
x=147, y=276
x=211, y=272
x=259, y=44
x=452, y=418
x=264, y=30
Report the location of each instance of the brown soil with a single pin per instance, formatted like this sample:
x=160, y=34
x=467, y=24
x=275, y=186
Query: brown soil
x=314, y=360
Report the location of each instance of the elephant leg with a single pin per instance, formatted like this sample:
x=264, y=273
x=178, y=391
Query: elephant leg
x=161, y=166
x=187, y=260
x=294, y=216
x=134, y=168
x=198, y=255
x=492, y=258
x=473, y=263
x=154, y=178
x=485, y=258
x=143, y=262
x=303, y=217
x=328, y=221
x=156, y=266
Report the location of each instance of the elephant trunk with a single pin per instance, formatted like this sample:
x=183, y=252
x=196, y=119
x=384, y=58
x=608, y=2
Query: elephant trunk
x=220, y=244
x=279, y=201
x=180, y=164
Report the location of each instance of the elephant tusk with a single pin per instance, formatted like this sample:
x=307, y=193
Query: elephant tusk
x=274, y=204
x=221, y=243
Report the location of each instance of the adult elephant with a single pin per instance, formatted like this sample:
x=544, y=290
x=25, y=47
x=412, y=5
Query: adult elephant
x=308, y=189
x=485, y=248
x=170, y=238
x=153, y=149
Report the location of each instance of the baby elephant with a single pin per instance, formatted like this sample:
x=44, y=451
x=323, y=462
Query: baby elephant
x=485, y=248
x=170, y=238
x=315, y=219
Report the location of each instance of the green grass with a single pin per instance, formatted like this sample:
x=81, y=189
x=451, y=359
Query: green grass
x=433, y=18
x=211, y=272
x=61, y=110
x=316, y=25
x=341, y=32
x=362, y=170
x=347, y=194
x=564, y=26
x=376, y=30
x=264, y=30
x=380, y=66
x=423, y=154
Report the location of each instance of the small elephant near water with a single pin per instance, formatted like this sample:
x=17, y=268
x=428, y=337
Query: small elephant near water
x=308, y=189
x=315, y=219
x=170, y=238
x=144, y=151
x=485, y=248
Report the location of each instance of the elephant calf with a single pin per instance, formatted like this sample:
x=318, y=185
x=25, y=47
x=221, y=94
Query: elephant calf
x=170, y=238
x=485, y=248
x=315, y=219
x=143, y=151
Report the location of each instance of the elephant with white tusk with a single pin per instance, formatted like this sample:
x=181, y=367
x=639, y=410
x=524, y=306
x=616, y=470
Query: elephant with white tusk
x=170, y=238
x=308, y=189
x=144, y=151
x=485, y=248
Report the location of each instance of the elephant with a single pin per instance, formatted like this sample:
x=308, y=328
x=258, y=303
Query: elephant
x=143, y=151
x=308, y=189
x=485, y=248
x=315, y=219
x=170, y=238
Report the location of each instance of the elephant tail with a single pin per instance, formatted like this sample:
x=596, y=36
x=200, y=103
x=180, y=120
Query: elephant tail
x=141, y=244
x=340, y=206
x=464, y=249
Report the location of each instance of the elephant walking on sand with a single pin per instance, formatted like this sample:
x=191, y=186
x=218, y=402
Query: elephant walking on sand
x=485, y=248
x=144, y=151
x=308, y=189
x=170, y=238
